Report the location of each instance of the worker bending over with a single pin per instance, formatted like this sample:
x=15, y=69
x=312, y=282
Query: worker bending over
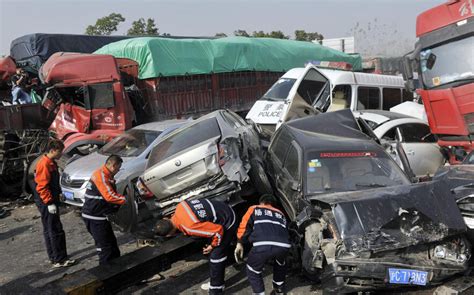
x=101, y=200
x=265, y=228
x=209, y=219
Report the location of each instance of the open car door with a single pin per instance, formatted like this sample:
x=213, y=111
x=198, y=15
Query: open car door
x=310, y=95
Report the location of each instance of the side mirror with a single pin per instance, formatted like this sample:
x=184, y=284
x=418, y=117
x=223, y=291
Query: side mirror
x=407, y=70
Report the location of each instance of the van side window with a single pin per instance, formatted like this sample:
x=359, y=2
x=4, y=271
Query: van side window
x=341, y=97
x=368, y=98
x=391, y=97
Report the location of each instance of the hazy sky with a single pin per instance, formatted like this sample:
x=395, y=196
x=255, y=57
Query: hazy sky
x=333, y=18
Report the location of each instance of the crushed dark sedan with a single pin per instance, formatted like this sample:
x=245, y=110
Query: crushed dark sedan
x=357, y=222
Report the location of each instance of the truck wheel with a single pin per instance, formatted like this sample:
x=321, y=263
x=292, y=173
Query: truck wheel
x=259, y=178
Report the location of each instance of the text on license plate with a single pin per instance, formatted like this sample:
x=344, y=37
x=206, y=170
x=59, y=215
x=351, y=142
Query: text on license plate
x=69, y=195
x=407, y=276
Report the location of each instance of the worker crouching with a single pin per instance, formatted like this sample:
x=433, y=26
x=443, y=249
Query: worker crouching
x=265, y=228
x=208, y=219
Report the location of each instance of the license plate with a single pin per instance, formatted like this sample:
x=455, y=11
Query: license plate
x=68, y=195
x=407, y=276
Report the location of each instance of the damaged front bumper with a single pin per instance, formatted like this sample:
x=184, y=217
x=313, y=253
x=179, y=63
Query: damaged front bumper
x=438, y=261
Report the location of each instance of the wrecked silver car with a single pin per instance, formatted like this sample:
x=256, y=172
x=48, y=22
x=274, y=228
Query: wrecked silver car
x=357, y=223
x=217, y=155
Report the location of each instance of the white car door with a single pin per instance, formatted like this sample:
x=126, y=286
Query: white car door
x=421, y=149
x=302, y=100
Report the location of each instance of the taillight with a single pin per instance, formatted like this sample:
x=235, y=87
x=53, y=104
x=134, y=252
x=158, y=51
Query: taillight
x=143, y=190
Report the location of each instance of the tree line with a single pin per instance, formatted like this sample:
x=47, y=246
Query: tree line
x=107, y=25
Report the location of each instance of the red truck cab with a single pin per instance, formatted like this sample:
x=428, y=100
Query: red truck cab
x=444, y=57
x=88, y=97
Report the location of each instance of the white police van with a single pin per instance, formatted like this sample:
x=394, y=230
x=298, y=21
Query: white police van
x=305, y=91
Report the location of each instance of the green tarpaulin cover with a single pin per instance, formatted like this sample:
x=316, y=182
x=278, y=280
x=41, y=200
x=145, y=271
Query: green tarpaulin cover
x=175, y=57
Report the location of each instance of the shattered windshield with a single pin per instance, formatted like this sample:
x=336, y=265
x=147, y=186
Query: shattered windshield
x=349, y=171
x=448, y=63
x=131, y=143
x=280, y=90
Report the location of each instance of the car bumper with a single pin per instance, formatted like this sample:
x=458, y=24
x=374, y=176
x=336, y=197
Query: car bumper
x=358, y=275
x=77, y=198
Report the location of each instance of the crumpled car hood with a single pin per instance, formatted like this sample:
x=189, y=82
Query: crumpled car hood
x=392, y=218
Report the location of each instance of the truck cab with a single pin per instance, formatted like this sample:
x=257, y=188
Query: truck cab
x=89, y=99
x=443, y=58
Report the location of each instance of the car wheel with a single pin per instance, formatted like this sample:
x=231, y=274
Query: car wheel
x=259, y=178
x=311, y=248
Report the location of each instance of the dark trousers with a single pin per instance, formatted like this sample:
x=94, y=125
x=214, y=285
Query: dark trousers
x=256, y=260
x=104, y=237
x=217, y=261
x=54, y=236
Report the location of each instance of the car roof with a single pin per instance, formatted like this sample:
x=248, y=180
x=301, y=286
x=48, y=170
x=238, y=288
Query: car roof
x=338, y=77
x=159, y=125
x=332, y=131
x=387, y=114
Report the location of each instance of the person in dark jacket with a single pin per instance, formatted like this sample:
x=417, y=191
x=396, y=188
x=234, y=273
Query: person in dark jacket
x=47, y=198
x=214, y=220
x=264, y=226
x=101, y=200
x=20, y=85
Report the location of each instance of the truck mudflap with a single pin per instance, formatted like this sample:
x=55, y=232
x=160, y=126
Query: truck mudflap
x=387, y=219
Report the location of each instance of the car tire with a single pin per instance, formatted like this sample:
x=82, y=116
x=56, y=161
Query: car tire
x=259, y=178
x=311, y=243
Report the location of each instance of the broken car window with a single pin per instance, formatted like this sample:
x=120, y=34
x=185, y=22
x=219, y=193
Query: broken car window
x=416, y=133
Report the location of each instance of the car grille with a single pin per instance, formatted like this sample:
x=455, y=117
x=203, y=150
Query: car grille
x=67, y=181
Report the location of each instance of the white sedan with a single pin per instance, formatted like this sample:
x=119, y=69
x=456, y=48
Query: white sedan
x=423, y=153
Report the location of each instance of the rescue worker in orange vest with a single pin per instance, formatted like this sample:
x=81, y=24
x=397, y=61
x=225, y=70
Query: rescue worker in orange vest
x=265, y=227
x=47, y=198
x=101, y=200
x=214, y=220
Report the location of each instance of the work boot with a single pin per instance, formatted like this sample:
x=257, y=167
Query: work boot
x=64, y=263
x=277, y=291
x=206, y=286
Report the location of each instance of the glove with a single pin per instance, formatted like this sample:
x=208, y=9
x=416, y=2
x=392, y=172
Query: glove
x=52, y=209
x=239, y=253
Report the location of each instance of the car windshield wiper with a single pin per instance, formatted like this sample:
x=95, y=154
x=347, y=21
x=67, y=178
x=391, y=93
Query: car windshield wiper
x=370, y=185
